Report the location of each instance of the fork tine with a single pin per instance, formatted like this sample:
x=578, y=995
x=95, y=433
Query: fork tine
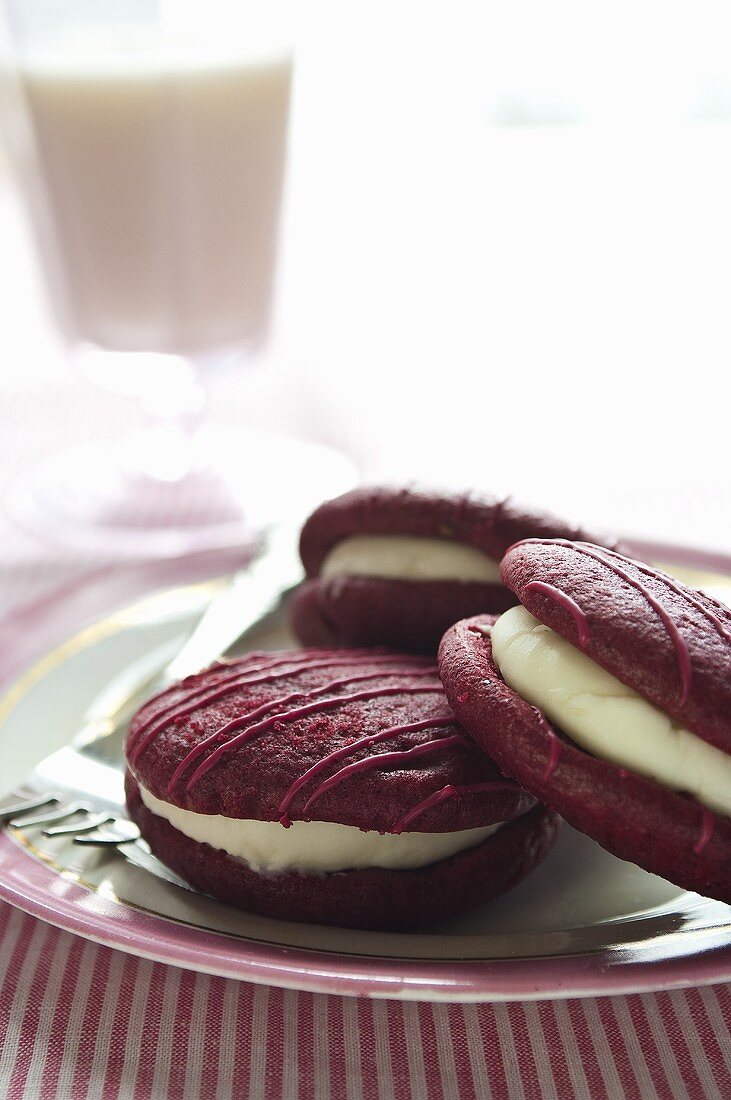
x=8, y=812
x=49, y=819
x=120, y=832
x=92, y=821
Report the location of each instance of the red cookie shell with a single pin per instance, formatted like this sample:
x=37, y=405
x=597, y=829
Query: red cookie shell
x=371, y=898
x=677, y=654
x=638, y=819
x=370, y=611
x=290, y=701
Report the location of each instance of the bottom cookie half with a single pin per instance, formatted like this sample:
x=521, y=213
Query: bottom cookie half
x=370, y=899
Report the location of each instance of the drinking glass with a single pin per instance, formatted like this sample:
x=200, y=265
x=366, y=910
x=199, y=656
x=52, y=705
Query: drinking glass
x=151, y=141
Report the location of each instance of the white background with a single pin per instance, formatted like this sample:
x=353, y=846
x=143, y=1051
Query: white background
x=507, y=263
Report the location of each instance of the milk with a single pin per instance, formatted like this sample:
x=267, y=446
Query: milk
x=158, y=176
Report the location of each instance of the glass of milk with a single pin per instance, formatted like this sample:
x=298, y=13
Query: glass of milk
x=151, y=141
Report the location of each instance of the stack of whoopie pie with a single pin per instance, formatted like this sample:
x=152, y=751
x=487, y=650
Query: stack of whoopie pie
x=338, y=783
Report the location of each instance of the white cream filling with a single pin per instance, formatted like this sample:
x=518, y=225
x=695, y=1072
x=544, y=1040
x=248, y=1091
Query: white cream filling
x=604, y=716
x=316, y=847
x=406, y=557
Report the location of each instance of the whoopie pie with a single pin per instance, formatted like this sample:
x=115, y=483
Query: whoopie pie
x=607, y=694
x=398, y=566
x=333, y=786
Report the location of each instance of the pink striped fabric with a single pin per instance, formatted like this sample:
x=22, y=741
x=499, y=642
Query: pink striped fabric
x=80, y=1020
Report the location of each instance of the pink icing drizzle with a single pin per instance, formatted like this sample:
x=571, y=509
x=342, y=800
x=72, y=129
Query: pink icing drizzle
x=450, y=791
x=706, y=830
x=553, y=758
x=210, y=693
x=564, y=601
x=288, y=716
x=681, y=649
x=228, y=683
x=383, y=759
x=682, y=591
x=354, y=746
x=555, y=752
x=243, y=720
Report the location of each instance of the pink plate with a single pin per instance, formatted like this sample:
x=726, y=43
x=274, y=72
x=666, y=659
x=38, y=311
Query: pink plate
x=676, y=940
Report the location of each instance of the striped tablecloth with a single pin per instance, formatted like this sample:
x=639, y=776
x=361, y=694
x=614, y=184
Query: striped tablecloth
x=81, y=1020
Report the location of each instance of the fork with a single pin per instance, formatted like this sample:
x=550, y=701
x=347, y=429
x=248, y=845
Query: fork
x=254, y=598
x=105, y=829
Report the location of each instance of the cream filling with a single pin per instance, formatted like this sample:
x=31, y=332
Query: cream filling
x=316, y=847
x=406, y=557
x=604, y=716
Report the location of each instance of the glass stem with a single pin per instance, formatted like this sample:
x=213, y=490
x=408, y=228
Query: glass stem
x=177, y=413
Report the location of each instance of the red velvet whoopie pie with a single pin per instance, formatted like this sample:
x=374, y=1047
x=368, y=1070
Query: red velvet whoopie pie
x=330, y=786
x=619, y=713
x=397, y=566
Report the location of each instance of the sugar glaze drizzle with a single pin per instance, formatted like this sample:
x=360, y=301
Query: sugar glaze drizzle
x=450, y=791
x=610, y=560
x=683, y=591
x=554, y=754
x=285, y=717
x=383, y=759
x=567, y=603
x=280, y=706
x=347, y=750
x=199, y=696
x=706, y=830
